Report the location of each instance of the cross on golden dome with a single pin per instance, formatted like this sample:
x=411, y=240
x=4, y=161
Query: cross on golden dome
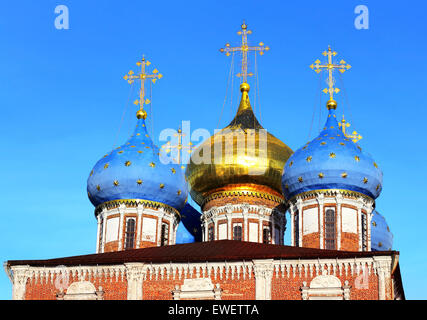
x=244, y=49
x=354, y=136
x=142, y=76
x=179, y=146
x=330, y=66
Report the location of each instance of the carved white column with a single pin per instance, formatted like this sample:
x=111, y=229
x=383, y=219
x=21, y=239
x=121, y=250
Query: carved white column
x=383, y=267
x=122, y=209
x=245, y=209
x=135, y=277
x=139, y=211
x=159, y=228
x=104, y=229
x=273, y=229
x=206, y=231
x=292, y=214
x=263, y=269
x=98, y=232
x=299, y=206
x=338, y=220
x=20, y=275
x=360, y=228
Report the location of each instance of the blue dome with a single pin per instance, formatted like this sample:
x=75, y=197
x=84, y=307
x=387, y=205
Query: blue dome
x=381, y=236
x=135, y=171
x=331, y=161
x=183, y=235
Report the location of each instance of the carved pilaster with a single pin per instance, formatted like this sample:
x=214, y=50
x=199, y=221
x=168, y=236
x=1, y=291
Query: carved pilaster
x=135, y=277
x=263, y=270
x=20, y=275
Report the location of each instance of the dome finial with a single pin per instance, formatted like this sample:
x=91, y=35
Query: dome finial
x=142, y=76
x=244, y=49
x=330, y=66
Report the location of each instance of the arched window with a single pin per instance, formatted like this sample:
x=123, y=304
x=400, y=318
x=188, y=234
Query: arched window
x=364, y=233
x=266, y=235
x=210, y=233
x=164, y=236
x=130, y=233
x=330, y=229
x=237, y=231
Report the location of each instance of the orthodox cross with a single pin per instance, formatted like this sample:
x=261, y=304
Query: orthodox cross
x=330, y=66
x=244, y=49
x=142, y=76
x=179, y=146
x=354, y=136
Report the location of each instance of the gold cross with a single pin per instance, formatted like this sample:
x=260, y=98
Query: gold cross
x=179, y=146
x=330, y=66
x=142, y=76
x=354, y=136
x=244, y=49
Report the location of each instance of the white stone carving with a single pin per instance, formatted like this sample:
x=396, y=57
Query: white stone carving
x=81, y=290
x=198, y=288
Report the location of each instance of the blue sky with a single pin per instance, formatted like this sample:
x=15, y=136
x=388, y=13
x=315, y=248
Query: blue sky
x=63, y=96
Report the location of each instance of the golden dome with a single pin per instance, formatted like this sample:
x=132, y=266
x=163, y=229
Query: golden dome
x=246, y=155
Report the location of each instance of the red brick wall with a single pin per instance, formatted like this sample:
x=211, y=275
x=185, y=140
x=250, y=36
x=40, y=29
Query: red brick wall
x=114, y=290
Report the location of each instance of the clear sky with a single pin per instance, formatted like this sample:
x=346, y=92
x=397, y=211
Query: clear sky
x=63, y=96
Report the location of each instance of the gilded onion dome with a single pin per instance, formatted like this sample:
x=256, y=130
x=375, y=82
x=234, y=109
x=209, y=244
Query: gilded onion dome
x=381, y=236
x=135, y=171
x=258, y=162
x=331, y=161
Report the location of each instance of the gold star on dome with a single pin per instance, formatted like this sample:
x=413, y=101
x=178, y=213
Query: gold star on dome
x=374, y=223
x=375, y=165
x=98, y=187
x=128, y=163
x=357, y=158
x=332, y=155
x=344, y=174
x=365, y=180
x=91, y=173
x=178, y=192
x=291, y=163
x=173, y=170
x=152, y=164
x=106, y=166
x=300, y=179
x=116, y=183
x=323, y=143
x=139, y=181
x=308, y=159
x=321, y=175
x=162, y=186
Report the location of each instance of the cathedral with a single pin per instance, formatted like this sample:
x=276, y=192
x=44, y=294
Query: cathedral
x=152, y=244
